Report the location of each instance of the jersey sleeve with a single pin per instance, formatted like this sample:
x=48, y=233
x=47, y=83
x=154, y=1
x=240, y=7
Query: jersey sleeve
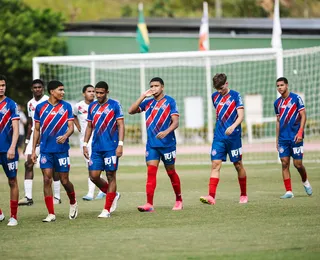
x=14, y=111
x=37, y=114
x=300, y=104
x=174, y=108
x=143, y=105
x=275, y=106
x=70, y=114
x=89, y=116
x=239, y=102
x=118, y=111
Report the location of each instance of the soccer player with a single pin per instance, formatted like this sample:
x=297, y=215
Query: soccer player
x=80, y=113
x=162, y=118
x=105, y=120
x=9, y=133
x=227, y=137
x=37, y=89
x=291, y=120
x=54, y=119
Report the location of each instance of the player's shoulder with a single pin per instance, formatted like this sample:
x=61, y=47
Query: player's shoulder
x=78, y=104
x=93, y=103
x=277, y=100
x=169, y=98
x=65, y=103
x=214, y=94
x=294, y=95
x=31, y=101
x=234, y=93
x=44, y=98
x=114, y=101
x=10, y=101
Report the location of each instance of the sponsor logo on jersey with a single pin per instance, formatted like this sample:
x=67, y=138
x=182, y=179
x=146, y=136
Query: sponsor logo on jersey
x=297, y=150
x=12, y=166
x=170, y=156
x=236, y=153
x=63, y=161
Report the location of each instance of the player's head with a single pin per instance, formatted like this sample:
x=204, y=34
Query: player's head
x=157, y=86
x=101, y=89
x=88, y=93
x=282, y=86
x=3, y=83
x=37, y=88
x=56, y=89
x=220, y=83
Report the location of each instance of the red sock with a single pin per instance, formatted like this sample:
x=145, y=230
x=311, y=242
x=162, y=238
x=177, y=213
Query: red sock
x=0, y=211
x=151, y=182
x=49, y=203
x=109, y=199
x=213, y=183
x=175, y=181
x=287, y=184
x=14, y=208
x=105, y=188
x=72, y=197
x=243, y=185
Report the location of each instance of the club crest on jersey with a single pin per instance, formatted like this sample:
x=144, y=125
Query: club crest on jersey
x=228, y=102
x=81, y=110
x=43, y=159
x=61, y=111
x=90, y=162
x=106, y=110
x=4, y=110
x=164, y=106
x=213, y=152
x=147, y=153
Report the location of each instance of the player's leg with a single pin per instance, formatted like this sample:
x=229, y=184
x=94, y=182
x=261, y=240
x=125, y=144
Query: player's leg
x=297, y=155
x=218, y=154
x=56, y=188
x=91, y=186
x=152, y=160
x=96, y=166
x=10, y=167
x=47, y=190
x=284, y=149
x=28, y=177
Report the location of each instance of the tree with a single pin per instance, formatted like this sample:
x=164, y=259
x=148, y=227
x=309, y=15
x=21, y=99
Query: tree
x=24, y=34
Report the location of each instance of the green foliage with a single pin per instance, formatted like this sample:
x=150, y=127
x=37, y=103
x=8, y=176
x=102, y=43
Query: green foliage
x=26, y=33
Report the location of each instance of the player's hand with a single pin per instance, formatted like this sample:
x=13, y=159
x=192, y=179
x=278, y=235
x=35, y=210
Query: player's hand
x=61, y=139
x=119, y=151
x=162, y=135
x=298, y=138
x=34, y=157
x=11, y=153
x=148, y=93
x=85, y=152
x=229, y=130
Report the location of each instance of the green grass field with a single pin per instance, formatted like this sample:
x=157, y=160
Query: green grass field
x=265, y=228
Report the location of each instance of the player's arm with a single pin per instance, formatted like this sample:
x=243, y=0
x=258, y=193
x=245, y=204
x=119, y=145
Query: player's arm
x=76, y=123
x=299, y=136
x=230, y=129
x=62, y=138
x=36, y=137
x=277, y=131
x=29, y=132
x=173, y=126
x=134, y=108
x=86, y=139
x=12, y=149
x=120, y=124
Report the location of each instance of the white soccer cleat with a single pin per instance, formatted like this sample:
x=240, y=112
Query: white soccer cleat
x=115, y=201
x=12, y=222
x=56, y=201
x=2, y=217
x=50, y=218
x=104, y=214
x=73, y=212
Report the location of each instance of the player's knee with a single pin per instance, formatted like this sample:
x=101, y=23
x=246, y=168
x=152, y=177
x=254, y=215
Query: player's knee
x=110, y=176
x=28, y=165
x=12, y=182
x=238, y=165
x=285, y=165
x=298, y=165
x=47, y=180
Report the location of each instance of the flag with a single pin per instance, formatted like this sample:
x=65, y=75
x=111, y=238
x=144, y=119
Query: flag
x=276, y=31
x=142, y=32
x=204, y=30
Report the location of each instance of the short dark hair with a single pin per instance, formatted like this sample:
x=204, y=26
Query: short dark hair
x=157, y=79
x=285, y=80
x=37, y=81
x=102, y=84
x=219, y=80
x=53, y=84
x=3, y=77
x=86, y=87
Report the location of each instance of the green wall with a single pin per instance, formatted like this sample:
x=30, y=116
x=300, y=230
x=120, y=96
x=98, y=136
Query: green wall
x=83, y=45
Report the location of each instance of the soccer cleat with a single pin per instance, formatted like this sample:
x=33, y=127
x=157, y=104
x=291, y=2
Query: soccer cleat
x=308, y=189
x=104, y=214
x=115, y=201
x=50, y=218
x=146, y=208
x=2, y=217
x=287, y=195
x=208, y=200
x=100, y=196
x=73, y=212
x=87, y=198
x=243, y=199
x=178, y=205
x=56, y=201
x=12, y=222
x=25, y=201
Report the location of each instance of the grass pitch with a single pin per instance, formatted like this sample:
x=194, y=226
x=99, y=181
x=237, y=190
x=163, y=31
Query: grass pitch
x=265, y=228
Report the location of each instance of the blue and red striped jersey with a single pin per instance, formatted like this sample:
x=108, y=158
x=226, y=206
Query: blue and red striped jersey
x=104, y=123
x=53, y=123
x=8, y=113
x=226, y=114
x=288, y=112
x=158, y=118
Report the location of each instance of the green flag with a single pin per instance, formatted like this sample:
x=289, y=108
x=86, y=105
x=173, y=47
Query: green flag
x=142, y=32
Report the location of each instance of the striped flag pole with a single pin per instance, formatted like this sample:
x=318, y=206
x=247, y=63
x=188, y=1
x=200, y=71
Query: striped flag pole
x=142, y=32
x=204, y=30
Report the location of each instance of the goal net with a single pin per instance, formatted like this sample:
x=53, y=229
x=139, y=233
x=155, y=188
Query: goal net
x=188, y=79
